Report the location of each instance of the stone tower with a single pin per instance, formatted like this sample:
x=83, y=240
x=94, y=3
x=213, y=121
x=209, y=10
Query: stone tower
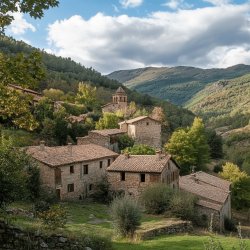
x=120, y=97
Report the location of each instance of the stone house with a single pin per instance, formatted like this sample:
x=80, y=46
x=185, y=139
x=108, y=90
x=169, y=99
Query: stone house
x=133, y=173
x=144, y=130
x=119, y=102
x=106, y=138
x=73, y=170
x=214, y=196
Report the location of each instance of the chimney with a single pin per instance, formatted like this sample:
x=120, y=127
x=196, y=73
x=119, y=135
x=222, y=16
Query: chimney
x=70, y=146
x=159, y=154
x=42, y=145
x=127, y=155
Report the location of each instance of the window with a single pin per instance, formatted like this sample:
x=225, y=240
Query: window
x=109, y=161
x=90, y=187
x=100, y=164
x=71, y=169
x=122, y=176
x=147, y=123
x=142, y=177
x=71, y=188
x=85, y=169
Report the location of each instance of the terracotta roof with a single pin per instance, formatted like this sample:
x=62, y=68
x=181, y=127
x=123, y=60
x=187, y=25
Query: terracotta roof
x=195, y=185
x=131, y=121
x=57, y=156
x=213, y=180
x=108, y=132
x=139, y=163
x=208, y=204
x=120, y=90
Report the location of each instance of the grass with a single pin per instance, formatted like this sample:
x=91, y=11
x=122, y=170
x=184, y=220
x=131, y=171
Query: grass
x=94, y=218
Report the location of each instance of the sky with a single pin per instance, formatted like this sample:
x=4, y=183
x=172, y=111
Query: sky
x=110, y=35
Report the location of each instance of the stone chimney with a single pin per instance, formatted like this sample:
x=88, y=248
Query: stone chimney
x=42, y=145
x=159, y=154
x=70, y=147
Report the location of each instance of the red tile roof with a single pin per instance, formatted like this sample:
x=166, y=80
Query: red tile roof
x=139, y=163
x=58, y=156
x=140, y=118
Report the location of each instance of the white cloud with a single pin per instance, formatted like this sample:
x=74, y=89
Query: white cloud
x=177, y=4
x=131, y=3
x=217, y=2
x=204, y=37
x=19, y=25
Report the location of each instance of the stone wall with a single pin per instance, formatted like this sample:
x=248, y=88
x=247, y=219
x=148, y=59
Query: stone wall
x=172, y=227
x=12, y=238
x=94, y=138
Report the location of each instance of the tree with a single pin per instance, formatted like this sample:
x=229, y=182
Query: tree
x=34, y=8
x=189, y=146
x=124, y=141
x=215, y=143
x=53, y=94
x=86, y=94
x=126, y=216
x=140, y=149
x=109, y=120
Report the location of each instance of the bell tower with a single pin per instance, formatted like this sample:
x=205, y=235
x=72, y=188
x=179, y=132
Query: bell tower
x=120, y=97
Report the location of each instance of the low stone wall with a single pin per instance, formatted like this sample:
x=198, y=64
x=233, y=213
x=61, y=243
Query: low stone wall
x=147, y=231
x=12, y=238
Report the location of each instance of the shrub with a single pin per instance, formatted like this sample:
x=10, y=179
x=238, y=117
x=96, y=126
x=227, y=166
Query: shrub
x=126, y=216
x=103, y=193
x=156, y=198
x=140, y=149
x=182, y=205
x=54, y=217
x=97, y=242
x=229, y=225
x=217, y=168
x=125, y=141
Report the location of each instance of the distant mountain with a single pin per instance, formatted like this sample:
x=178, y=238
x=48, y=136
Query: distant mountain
x=177, y=84
x=224, y=103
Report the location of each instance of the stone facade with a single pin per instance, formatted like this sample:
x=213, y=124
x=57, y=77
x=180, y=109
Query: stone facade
x=144, y=130
x=73, y=181
x=134, y=182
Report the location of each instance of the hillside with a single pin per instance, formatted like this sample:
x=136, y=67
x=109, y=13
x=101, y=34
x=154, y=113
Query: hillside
x=176, y=84
x=65, y=74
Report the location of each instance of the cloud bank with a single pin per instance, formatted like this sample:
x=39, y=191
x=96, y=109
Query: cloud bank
x=216, y=36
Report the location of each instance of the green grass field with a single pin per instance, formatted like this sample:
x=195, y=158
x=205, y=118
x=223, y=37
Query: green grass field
x=94, y=218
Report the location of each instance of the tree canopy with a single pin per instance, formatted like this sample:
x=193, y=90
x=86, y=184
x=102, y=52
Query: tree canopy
x=140, y=149
x=109, y=120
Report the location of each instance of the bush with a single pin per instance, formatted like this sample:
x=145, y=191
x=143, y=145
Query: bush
x=182, y=205
x=140, y=149
x=218, y=168
x=126, y=216
x=156, y=198
x=103, y=193
x=229, y=225
x=97, y=242
x=125, y=141
x=55, y=217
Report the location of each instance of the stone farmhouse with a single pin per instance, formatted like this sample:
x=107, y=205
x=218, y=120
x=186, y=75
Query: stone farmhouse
x=105, y=138
x=144, y=130
x=119, y=102
x=214, y=196
x=72, y=170
x=133, y=173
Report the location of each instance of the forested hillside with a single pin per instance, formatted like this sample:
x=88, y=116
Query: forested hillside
x=65, y=74
x=176, y=84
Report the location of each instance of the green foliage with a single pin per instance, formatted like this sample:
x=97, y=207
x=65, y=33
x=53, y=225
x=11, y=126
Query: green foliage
x=53, y=94
x=140, y=149
x=34, y=9
x=86, y=94
x=55, y=217
x=229, y=224
x=189, y=146
x=182, y=205
x=102, y=191
x=74, y=109
x=13, y=174
x=156, y=198
x=33, y=181
x=215, y=143
x=126, y=216
x=124, y=141
x=109, y=120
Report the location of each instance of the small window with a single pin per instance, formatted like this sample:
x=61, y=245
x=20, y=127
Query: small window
x=85, y=169
x=147, y=123
x=100, y=164
x=71, y=169
x=90, y=187
x=71, y=188
x=109, y=161
x=142, y=177
x=122, y=176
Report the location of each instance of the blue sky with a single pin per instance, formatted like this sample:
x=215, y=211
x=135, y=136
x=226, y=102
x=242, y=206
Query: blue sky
x=110, y=35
